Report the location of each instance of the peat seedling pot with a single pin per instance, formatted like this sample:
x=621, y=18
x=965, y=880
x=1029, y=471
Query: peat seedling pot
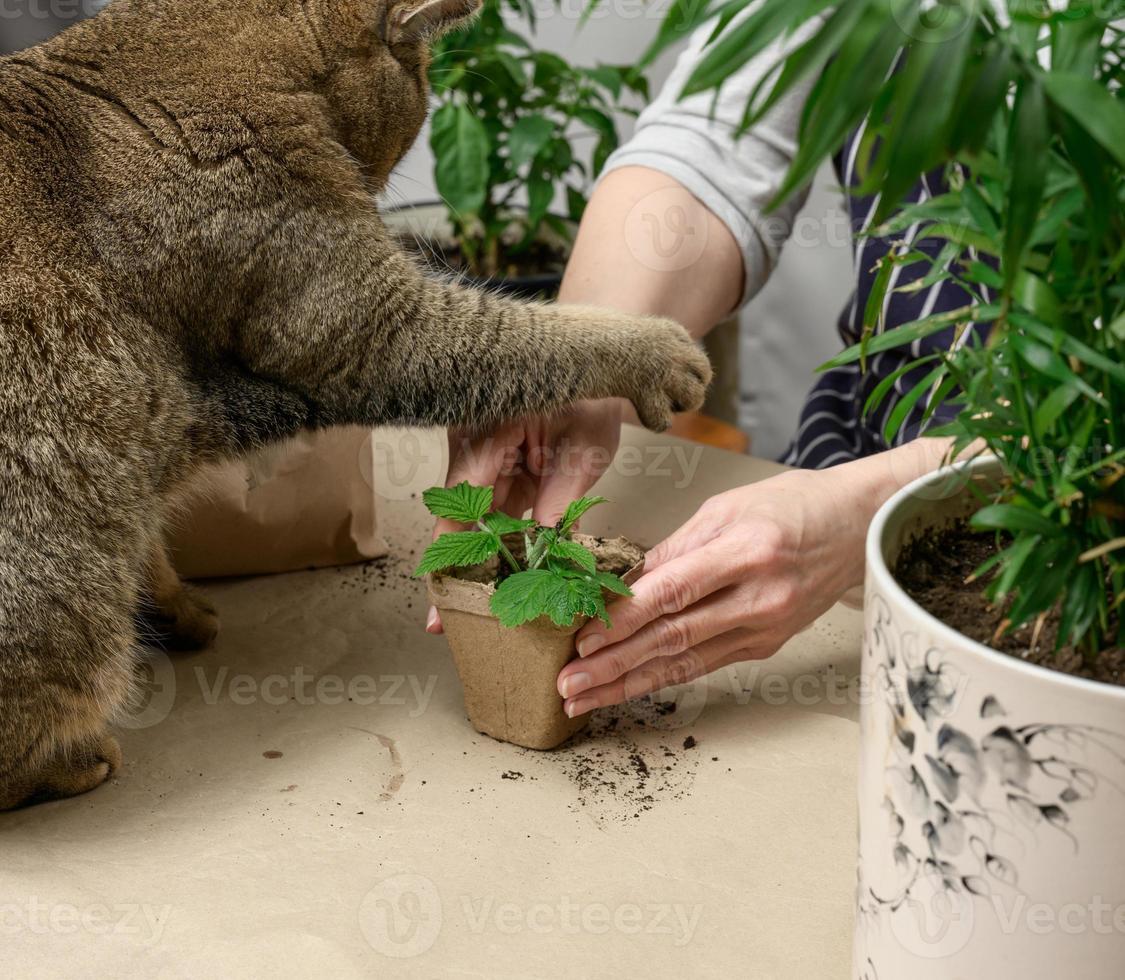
x=509, y=675
x=991, y=790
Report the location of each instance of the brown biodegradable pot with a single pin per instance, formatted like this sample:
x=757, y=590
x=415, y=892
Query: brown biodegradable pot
x=509, y=675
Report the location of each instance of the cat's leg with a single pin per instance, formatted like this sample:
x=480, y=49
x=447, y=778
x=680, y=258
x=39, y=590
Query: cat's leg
x=69, y=579
x=350, y=323
x=173, y=616
x=65, y=668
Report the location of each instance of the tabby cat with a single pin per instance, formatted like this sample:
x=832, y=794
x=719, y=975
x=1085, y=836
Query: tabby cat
x=192, y=267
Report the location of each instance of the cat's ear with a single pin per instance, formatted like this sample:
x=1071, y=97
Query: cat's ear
x=415, y=21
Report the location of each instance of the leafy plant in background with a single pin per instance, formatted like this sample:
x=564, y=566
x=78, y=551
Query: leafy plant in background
x=511, y=117
x=559, y=577
x=1021, y=103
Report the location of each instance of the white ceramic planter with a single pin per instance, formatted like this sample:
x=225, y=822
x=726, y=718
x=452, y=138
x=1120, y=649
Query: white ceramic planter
x=991, y=792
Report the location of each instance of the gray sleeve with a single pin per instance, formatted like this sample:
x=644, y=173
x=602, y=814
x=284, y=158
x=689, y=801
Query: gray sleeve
x=693, y=141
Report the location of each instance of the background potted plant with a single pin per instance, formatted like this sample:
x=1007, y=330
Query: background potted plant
x=993, y=742
x=512, y=595
x=518, y=136
x=515, y=129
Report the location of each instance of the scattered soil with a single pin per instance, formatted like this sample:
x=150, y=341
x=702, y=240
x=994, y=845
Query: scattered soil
x=934, y=569
x=625, y=766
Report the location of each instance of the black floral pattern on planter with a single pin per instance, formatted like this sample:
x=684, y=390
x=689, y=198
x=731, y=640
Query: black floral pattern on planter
x=963, y=806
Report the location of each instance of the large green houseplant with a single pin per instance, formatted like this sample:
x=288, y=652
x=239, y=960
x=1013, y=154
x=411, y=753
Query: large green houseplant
x=1020, y=101
x=986, y=784
x=515, y=129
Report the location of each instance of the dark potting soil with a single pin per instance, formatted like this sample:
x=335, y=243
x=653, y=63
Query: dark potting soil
x=934, y=570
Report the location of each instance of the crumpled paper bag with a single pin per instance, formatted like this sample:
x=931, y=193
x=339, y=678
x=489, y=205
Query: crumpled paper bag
x=308, y=503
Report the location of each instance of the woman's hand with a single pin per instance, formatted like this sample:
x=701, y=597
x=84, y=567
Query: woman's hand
x=538, y=464
x=752, y=568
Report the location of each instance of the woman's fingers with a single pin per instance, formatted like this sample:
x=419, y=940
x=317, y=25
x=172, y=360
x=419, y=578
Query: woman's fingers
x=718, y=614
x=655, y=675
x=668, y=589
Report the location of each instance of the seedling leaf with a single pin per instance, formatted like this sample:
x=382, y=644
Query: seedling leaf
x=576, y=510
x=458, y=550
x=572, y=551
x=463, y=503
x=501, y=523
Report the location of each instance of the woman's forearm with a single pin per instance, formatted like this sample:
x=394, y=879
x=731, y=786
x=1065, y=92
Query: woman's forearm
x=647, y=245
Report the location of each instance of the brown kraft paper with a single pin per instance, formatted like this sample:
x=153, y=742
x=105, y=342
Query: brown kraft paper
x=306, y=504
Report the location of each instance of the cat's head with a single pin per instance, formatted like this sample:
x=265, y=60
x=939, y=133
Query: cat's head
x=378, y=56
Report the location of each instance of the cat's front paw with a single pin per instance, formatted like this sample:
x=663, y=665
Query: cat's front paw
x=675, y=376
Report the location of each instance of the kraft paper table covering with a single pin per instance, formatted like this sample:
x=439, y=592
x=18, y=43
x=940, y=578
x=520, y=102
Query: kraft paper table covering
x=264, y=827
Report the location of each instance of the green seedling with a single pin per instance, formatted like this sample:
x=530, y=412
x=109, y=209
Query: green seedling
x=558, y=577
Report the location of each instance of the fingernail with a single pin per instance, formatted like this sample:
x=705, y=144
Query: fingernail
x=590, y=644
x=575, y=684
x=579, y=707
x=431, y=620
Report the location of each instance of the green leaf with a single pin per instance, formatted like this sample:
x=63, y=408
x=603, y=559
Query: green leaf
x=527, y=137
x=1075, y=40
x=572, y=551
x=524, y=597
x=844, y=93
x=458, y=549
x=923, y=116
x=901, y=336
x=1048, y=411
x=808, y=59
x=463, y=503
x=681, y=19
x=905, y=405
x=597, y=121
x=575, y=203
x=1028, y=159
x=883, y=388
x=982, y=97
x=1012, y=517
x=513, y=66
x=744, y=39
x=540, y=193
x=1091, y=105
x=1071, y=345
x=1012, y=561
x=608, y=77
x=501, y=523
x=961, y=235
x=461, y=149
x=576, y=510
x=612, y=583
x=1043, y=359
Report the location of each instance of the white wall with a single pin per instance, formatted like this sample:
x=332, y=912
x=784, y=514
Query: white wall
x=789, y=329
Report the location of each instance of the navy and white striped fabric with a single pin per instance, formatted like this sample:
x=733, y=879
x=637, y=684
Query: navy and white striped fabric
x=832, y=427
